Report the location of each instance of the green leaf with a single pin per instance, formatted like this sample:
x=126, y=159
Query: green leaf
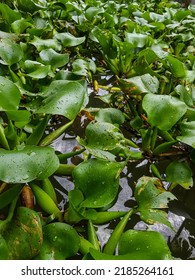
x=51, y=57
x=150, y=197
x=23, y=234
x=8, y=14
x=137, y=39
x=19, y=116
x=20, y=25
x=9, y=95
x=141, y=84
x=69, y=40
x=65, y=98
x=110, y=115
x=100, y=189
x=4, y=251
x=144, y=245
x=103, y=136
x=138, y=245
x=163, y=111
x=60, y=241
x=10, y=52
x=42, y=44
x=187, y=133
x=32, y=6
x=177, y=67
x=179, y=173
x=27, y=164
x=41, y=72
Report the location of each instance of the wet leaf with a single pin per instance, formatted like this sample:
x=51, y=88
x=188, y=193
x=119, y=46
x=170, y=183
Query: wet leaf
x=180, y=173
x=9, y=95
x=141, y=84
x=65, y=98
x=103, y=135
x=60, y=241
x=151, y=196
x=10, y=52
x=32, y=5
x=100, y=189
x=163, y=111
x=177, y=67
x=27, y=164
x=23, y=234
x=69, y=40
x=137, y=245
x=51, y=57
x=187, y=133
x=110, y=115
x=42, y=44
x=144, y=245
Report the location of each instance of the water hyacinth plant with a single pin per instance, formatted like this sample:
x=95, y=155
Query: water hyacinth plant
x=117, y=78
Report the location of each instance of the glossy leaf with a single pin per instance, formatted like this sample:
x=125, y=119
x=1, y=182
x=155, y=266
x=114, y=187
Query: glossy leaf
x=180, y=173
x=23, y=234
x=110, y=115
x=141, y=84
x=163, y=111
x=65, y=98
x=151, y=197
x=60, y=241
x=138, y=245
x=9, y=95
x=187, y=133
x=42, y=44
x=32, y=5
x=69, y=40
x=51, y=57
x=10, y=52
x=177, y=67
x=103, y=135
x=27, y=164
x=9, y=14
x=144, y=245
x=100, y=189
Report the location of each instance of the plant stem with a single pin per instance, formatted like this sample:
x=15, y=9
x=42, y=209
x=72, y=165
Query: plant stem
x=2, y=187
x=65, y=169
x=55, y=134
x=116, y=234
x=71, y=154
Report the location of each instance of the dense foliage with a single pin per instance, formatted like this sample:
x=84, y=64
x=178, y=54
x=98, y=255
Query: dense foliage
x=136, y=58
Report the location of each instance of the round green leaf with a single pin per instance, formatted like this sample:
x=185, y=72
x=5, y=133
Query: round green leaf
x=23, y=235
x=144, y=245
x=53, y=58
x=188, y=133
x=103, y=135
x=60, y=241
x=163, y=111
x=98, y=180
x=32, y=5
x=10, y=52
x=27, y=164
x=64, y=98
x=110, y=115
x=69, y=40
x=180, y=173
x=9, y=95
